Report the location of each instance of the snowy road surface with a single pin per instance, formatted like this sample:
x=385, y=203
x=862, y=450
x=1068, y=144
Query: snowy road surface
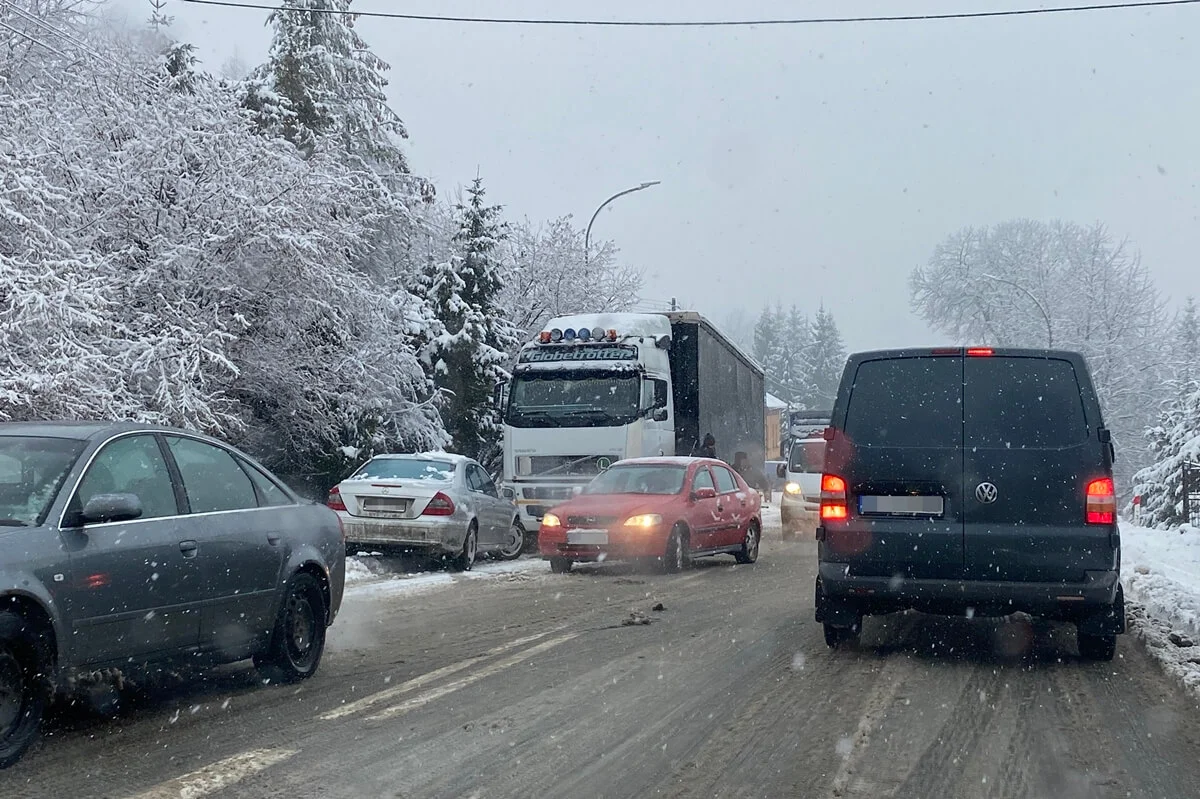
x=520, y=683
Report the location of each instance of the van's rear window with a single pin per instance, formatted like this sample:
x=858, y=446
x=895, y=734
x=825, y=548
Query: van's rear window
x=906, y=402
x=1023, y=403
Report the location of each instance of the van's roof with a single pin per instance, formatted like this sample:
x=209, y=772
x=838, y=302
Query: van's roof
x=953, y=350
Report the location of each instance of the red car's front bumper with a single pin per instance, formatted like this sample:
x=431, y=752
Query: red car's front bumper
x=623, y=544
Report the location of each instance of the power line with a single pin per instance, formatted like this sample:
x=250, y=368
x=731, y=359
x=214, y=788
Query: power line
x=38, y=42
x=719, y=23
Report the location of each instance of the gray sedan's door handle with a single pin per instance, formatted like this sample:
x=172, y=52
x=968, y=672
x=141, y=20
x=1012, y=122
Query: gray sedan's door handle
x=188, y=548
x=273, y=538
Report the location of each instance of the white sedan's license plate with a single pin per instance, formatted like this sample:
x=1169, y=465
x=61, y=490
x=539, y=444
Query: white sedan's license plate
x=587, y=537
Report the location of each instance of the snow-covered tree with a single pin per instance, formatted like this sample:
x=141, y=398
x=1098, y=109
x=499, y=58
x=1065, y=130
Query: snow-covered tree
x=1029, y=283
x=825, y=361
x=782, y=342
x=470, y=352
x=323, y=86
x=162, y=261
x=547, y=275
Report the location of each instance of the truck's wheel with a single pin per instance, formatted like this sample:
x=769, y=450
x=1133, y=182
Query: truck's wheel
x=22, y=688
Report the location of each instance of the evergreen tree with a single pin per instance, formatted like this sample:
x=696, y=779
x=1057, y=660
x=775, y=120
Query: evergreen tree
x=321, y=81
x=826, y=358
x=766, y=338
x=469, y=353
x=1187, y=343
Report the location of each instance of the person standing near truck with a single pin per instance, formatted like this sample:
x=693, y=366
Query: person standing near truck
x=709, y=448
x=753, y=476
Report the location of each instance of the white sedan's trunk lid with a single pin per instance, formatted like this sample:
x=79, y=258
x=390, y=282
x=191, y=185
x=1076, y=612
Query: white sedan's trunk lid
x=382, y=498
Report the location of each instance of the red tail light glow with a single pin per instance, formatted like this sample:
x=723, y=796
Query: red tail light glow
x=1101, y=501
x=979, y=351
x=440, y=505
x=833, y=498
x=335, y=499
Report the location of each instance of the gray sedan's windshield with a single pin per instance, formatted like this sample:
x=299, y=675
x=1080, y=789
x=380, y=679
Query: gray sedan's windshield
x=31, y=471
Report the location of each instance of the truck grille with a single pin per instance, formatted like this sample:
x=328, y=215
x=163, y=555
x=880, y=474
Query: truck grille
x=568, y=465
x=547, y=492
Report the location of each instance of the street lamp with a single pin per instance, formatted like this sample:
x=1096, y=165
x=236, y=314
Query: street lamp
x=587, y=237
x=1036, y=301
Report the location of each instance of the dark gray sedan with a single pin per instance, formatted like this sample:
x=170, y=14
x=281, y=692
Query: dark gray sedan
x=124, y=545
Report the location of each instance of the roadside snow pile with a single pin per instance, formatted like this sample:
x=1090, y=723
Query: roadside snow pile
x=372, y=576
x=1160, y=570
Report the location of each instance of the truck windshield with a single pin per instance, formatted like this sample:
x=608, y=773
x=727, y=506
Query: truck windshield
x=573, y=399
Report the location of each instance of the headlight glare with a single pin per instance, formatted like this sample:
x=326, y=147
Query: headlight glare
x=644, y=521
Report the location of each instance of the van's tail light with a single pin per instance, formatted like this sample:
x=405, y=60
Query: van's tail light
x=1101, y=501
x=833, y=498
x=440, y=505
x=980, y=352
x=335, y=499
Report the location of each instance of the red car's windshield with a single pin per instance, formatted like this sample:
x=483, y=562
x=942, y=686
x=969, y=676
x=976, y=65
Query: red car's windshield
x=642, y=479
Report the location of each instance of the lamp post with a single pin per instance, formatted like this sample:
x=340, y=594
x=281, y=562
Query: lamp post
x=1036, y=301
x=587, y=236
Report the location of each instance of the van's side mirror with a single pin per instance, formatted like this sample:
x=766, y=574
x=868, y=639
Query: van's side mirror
x=111, y=508
x=498, y=393
x=781, y=471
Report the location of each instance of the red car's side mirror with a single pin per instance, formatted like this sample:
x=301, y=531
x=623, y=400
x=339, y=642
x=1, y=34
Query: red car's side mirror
x=704, y=493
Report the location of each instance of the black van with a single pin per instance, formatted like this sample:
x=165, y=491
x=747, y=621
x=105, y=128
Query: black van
x=970, y=481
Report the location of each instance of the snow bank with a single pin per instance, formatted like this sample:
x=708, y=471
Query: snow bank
x=371, y=577
x=1160, y=570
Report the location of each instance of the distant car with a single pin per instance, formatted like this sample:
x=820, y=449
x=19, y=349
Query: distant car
x=801, y=499
x=665, y=510
x=432, y=503
x=970, y=481
x=123, y=546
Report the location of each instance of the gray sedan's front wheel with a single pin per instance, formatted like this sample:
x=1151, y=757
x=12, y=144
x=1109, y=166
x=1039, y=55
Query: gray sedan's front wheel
x=22, y=692
x=298, y=640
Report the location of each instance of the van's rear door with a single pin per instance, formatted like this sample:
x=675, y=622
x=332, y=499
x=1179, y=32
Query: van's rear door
x=1032, y=446
x=898, y=446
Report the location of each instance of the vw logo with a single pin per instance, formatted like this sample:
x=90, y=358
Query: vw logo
x=986, y=493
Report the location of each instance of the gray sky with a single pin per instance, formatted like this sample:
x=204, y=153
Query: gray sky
x=806, y=163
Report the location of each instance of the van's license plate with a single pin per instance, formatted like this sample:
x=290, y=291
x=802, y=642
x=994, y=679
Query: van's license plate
x=587, y=537
x=902, y=506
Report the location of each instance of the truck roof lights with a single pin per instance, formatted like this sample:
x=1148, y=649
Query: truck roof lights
x=544, y=337
x=569, y=334
x=584, y=334
x=556, y=335
x=612, y=335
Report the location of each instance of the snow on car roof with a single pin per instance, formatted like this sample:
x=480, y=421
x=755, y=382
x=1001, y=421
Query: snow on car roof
x=626, y=324
x=448, y=457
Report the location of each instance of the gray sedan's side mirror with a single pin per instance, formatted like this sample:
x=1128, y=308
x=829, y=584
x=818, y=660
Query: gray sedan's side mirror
x=111, y=508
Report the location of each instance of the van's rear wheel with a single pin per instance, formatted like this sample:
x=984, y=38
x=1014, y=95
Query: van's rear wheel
x=1097, y=647
x=840, y=636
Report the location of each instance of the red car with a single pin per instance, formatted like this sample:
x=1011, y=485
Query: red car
x=668, y=510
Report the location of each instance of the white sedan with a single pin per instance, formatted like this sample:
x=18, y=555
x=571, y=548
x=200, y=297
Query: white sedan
x=433, y=503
